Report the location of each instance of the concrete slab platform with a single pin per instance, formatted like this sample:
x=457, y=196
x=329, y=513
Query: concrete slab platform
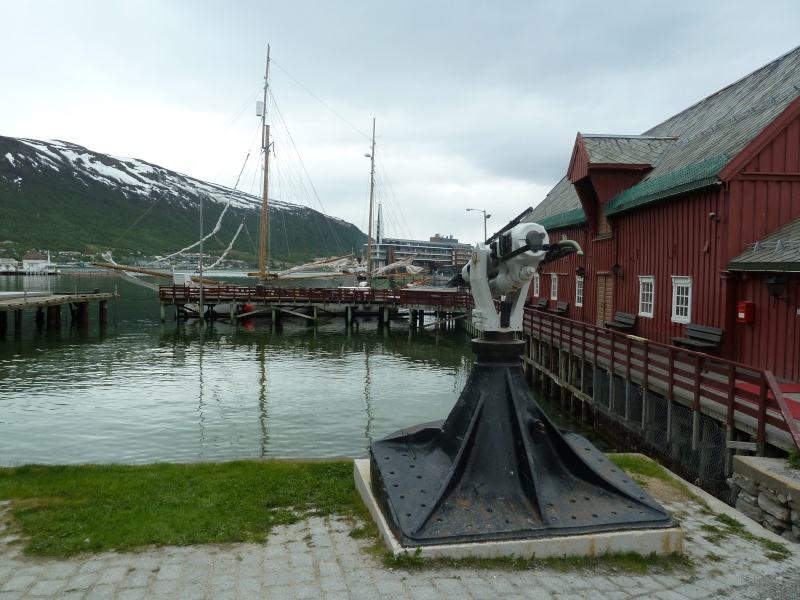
x=642, y=541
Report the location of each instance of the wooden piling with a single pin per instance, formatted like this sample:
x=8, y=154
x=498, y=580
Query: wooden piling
x=83, y=314
x=54, y=317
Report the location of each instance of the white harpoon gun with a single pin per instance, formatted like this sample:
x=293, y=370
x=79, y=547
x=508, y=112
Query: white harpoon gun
x=504, y=269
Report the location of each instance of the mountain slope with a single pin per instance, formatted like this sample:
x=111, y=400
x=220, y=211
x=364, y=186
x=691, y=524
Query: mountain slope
x=61, y=196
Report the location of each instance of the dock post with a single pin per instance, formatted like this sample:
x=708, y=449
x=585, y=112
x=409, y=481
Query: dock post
x=18, y=321
x=54, y=316
x=39, y=318
x=412, y=321
x=3, y=322
x=83, y=314
x=385, y=311
x=313, y=322
x=103, y=312
x=163, y=313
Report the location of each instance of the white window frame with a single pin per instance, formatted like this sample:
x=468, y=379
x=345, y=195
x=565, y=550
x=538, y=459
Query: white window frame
x=536, y=284
x=579, y=290
x=681, y=289
x=647, y=297
x=553, y=286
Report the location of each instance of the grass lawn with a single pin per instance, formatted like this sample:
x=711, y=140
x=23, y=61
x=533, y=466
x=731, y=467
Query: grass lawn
x=64, y=510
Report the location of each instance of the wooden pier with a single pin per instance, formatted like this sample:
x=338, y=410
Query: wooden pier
x=688, y=408
x=237, y=302
x=48, y=308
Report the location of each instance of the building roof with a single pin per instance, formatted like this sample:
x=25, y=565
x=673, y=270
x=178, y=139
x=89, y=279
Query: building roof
x=625, y=149
x=779, y=251
x=681, y=180
x=559, y=207
x=34, y=255
x=688, y=144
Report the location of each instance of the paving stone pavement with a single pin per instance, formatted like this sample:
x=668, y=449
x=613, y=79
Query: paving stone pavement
x=317, y=558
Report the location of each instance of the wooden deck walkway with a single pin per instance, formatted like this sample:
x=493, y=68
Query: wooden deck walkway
x=17, y=302
x=739, y=396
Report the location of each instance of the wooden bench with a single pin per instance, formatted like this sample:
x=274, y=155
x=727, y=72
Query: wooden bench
x=622, y=321
x=699, y=337
x=541, y=305
x=560, y=309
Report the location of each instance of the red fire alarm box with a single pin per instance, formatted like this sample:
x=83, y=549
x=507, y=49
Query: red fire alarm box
x=746, y=311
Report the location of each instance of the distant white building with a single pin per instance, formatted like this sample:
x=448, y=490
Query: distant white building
x=36, y=263
x=438, y=254
x=8, y=266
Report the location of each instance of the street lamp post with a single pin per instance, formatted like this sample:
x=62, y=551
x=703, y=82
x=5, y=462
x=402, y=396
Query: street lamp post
x=485, y=218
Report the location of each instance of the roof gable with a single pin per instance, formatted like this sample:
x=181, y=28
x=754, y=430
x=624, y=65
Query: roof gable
x=730, y=119
x=723, y=124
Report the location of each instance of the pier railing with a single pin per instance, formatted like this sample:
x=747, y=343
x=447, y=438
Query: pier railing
x=173, y=294
x=738, y=395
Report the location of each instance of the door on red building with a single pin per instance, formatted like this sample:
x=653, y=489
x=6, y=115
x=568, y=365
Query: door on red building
x=605, y=289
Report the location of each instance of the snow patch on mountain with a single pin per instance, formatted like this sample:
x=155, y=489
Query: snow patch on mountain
x=133, y=176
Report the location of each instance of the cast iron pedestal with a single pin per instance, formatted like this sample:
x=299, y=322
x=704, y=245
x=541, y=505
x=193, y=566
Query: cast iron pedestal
x=498, y=469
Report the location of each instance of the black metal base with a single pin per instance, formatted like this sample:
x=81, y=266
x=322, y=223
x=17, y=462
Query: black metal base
x=497, y=468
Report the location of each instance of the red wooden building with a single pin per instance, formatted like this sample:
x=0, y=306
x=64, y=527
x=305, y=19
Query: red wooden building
x=683, y=223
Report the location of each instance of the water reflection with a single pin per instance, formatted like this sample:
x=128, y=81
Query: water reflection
x=141, y=391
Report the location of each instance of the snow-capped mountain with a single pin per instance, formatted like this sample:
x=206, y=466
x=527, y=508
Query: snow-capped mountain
x=57, y=194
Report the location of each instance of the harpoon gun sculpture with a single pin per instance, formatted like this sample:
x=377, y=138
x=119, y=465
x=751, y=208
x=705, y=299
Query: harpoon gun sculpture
x=497, y=468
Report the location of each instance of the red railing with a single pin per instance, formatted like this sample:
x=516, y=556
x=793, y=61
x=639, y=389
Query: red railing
x=743, y=395
x=355, y=295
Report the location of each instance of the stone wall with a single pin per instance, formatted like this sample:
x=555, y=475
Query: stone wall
x=768, y=492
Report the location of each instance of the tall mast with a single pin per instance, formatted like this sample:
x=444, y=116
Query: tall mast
x=263, y=265
x=378, y=225
x=371, y=196
x=200, y=311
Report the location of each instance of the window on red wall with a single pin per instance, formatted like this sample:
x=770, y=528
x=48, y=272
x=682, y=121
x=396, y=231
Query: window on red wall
x=646, y=295
x=681, y=299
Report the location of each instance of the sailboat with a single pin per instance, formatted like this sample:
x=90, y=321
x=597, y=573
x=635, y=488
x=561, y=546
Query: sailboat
x=334, y=264
x=339, y=267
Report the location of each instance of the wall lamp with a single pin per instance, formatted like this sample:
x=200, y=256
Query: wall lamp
x=540, y=269
x=616, y=269
x=580, y=271
x=775, y=287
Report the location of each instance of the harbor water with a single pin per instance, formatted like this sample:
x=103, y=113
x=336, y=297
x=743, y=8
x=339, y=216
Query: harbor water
x=142, y=391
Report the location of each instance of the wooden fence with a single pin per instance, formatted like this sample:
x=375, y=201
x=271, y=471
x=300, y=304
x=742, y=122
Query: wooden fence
x=740, y=396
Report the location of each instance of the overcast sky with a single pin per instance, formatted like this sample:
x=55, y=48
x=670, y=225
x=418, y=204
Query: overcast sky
x=477, y=103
